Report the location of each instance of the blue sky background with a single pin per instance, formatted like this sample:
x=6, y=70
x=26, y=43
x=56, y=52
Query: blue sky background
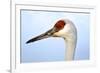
x=34, y=23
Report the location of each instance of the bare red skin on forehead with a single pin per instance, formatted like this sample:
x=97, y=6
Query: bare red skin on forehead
x=60, y=25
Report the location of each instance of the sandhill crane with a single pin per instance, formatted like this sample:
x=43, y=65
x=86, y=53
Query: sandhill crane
x=65, y=29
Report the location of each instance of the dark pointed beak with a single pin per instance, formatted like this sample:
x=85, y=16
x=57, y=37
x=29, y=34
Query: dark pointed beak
x=42, y=36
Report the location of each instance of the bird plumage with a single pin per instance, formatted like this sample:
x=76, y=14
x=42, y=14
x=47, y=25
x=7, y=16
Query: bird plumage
x=63, y=28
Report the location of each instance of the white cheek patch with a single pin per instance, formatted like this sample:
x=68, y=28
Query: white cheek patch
x=65, y=29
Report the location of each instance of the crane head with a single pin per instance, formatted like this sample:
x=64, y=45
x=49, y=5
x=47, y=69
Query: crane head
x=59, y=30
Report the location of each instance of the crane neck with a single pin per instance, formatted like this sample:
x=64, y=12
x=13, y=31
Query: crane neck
x=70, y=45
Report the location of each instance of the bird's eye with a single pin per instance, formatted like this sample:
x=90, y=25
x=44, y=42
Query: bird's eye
x=60, y=25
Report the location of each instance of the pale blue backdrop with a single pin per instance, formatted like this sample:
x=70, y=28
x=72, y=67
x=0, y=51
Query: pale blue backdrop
x=34, y=23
